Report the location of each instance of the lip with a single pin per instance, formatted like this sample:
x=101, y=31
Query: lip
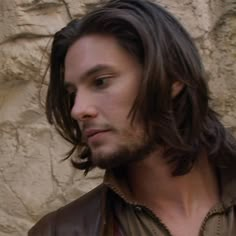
x=89, y=133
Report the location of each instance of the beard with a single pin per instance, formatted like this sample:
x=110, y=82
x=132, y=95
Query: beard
x=123, y=155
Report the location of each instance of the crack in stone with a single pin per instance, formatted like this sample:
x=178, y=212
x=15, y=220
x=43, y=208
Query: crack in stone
x=52, y=172
x=228, y=10
x=38, y=6
x=67, y=9
x=59, y=195
x=56, y=183
x=25, y=36
x=15, y=194
x=17, y=136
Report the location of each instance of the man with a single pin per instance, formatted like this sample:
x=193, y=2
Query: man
x=128, y=91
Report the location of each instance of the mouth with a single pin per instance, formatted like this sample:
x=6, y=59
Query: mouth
x=90, y=133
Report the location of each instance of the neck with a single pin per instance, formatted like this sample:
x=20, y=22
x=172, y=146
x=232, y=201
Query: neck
x=153, y=185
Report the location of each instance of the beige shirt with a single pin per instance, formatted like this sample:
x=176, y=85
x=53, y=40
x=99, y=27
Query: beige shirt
x=136, y=219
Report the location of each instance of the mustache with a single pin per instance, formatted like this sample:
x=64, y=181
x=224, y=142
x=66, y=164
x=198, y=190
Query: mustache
x=92, y=125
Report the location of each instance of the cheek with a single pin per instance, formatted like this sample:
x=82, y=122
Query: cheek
x=115, y=105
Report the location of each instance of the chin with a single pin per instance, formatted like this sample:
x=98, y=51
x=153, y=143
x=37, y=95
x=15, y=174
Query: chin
x=104, y=160
x=108, y=159
x=113, y=157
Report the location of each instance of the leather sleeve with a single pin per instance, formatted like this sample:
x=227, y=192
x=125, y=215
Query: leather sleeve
x=44, y=227
x=81, y=217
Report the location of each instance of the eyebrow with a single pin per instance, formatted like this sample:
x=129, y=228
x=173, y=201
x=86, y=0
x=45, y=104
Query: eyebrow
x=92, y=71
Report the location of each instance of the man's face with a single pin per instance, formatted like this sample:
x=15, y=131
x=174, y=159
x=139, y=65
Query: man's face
x=105, y=79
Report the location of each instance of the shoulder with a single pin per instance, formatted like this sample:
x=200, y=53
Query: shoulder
x=75, y=216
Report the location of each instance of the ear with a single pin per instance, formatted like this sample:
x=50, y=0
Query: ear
x=176, y=88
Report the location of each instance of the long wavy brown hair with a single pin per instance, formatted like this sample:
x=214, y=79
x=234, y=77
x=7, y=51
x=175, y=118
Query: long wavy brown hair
x=185, y=125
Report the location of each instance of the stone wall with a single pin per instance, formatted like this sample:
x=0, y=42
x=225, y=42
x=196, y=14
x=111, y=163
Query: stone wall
x=33, y=180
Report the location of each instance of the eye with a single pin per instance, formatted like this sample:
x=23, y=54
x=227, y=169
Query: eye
x=70, y=90
x=100, y=82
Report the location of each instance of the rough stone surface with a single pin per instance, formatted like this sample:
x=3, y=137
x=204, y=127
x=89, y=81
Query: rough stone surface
x=33, y=180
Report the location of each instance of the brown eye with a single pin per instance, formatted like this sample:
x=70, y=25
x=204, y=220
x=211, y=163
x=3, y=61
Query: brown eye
x=100, y=82
x=70, y=89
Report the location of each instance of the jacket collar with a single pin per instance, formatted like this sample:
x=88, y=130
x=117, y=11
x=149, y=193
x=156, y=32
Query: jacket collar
x=118, y=184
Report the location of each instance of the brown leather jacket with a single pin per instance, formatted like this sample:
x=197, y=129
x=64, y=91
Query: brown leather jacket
x=82, y=217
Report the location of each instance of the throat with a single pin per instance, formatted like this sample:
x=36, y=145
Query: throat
x=174, y=197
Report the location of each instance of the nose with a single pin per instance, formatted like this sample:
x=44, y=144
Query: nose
x=83, y=108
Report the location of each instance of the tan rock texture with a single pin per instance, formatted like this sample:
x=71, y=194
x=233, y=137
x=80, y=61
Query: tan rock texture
x=33, y=180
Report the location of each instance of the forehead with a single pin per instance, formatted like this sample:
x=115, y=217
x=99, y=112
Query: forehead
x=93, y=50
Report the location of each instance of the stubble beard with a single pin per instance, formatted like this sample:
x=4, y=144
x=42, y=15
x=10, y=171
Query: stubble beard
x=123, y=155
